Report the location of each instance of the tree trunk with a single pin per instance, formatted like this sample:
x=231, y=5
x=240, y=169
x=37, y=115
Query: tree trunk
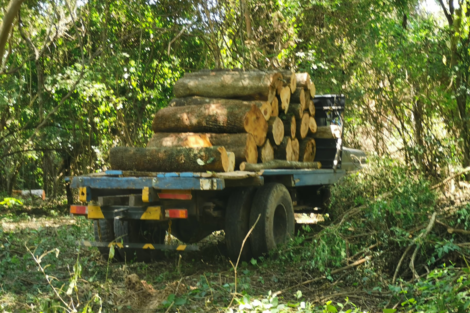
x=303, y=80
x=275, y=107
x=275, y=130
x=290, y=127
x=311, y=108
x=295, y=149
x=213, y=118
x=312, y=90
x=170, y=159
x=297, y=110
x=284, y=150
x=251, y=85
x=243, y=145
x=307, y=150
x=312, y=125
x=328, y=132
x=8, y=18
x=299, y=97
x=288, y=79
x=264, y=106
x=279, y=164
x=265, y=152
x=303, y=126
x=285, y=95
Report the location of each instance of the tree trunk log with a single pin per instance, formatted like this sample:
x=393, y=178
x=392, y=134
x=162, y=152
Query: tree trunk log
x=275, y=107
x=264, y=106
x=299, y=97
x=297, y=110
x=303, y=126
x=213, y=118
x=288, y=79
x=257, y=85
x=275, y=130
x=312, y=125
x=312, y=90
x=307, y=150
x=243, y=145
x=284, y=150
x=169, y=159
x=303, y=80
x=328, y=132
x=231, y=161
x=311, y=108
x=279, y=164
x=265, y=152
x=295, y=149
x=285, y=98
x=290, y=126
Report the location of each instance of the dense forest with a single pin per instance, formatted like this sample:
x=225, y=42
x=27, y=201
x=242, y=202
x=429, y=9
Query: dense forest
x=80, y=77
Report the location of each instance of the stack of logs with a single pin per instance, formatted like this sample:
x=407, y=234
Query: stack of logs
x=222, y=120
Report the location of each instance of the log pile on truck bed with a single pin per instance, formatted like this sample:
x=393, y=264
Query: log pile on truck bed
x=226, y=120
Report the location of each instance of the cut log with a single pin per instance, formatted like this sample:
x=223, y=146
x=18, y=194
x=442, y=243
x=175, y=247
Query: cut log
x=296, y=109
x=279, y=164
x=169, y=159
x=312, y=125
x=290, y=126
x=311, y=108
x=243, y=145
x=231, y=161
x=284, y=150
x=288, y=79
x=191, y=140
x=275, y=107
x=265, y=152
x=213, y=118
x=295, y=149
x=312, y=90
x=303, y=80
x=299, y=97
x=256, y=85
x=275, y=130
x=285, y=98
x=303, y=126
x=307, y=150
x=264, y=106
x=328, y=132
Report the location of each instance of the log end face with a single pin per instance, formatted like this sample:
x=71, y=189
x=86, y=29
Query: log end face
x=251, y=150
x=224, y=158
x=304, y=125
x=278, y=131
x=312, y=125
x=256, y=125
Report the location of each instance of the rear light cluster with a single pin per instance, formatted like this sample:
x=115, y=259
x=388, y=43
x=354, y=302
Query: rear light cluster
x=176, y=213
x=79, y=209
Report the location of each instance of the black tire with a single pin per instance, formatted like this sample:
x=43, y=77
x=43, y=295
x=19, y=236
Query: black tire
x=237, y=224
x=136, y=231
x=104, y=232
x=276, y=223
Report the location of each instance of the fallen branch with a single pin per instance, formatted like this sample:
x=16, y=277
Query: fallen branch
x=451, y=230
x=464, y=171
x=423, y=235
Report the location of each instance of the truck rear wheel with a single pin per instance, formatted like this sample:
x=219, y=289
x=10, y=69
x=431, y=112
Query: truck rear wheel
x=104, y=232
x=237, y=223
x=136, y=231
x=272, y=202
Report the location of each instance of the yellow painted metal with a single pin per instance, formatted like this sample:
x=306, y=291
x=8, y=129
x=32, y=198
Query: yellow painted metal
x=152, y=213
x=82, y=194
x=145, y=194
x=116, y=244
x=94, y=212
x=181, y=248
x=148, y=246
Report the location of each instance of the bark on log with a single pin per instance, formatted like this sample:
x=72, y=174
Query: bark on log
x=279, y=164
x=299, y=97
x=311, y=108
x=303, y=126
x=275, y=107
x=296, y=109
x=275, y=130
x=290, y=127
x=285, y=98
x=214, y=118
x=243, y=145
x=169, y=159
x=265, y=152
x=295, y=149
x=257, y=85
x=284, y=150
x=288, y=79
x=312, y=125
x=328, y=132
x=264, y=106
x=303, y=80
x=308, y=149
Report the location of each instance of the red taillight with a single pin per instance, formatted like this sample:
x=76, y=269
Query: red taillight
x=78, y=209
x=176, y=213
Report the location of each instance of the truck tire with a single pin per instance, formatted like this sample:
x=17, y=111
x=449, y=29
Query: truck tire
x=237, y=223
x=136, y=231
x=104, y=232
x=276, y=223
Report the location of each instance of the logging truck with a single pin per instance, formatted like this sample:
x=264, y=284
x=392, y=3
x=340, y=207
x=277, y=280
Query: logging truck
x=137, y=212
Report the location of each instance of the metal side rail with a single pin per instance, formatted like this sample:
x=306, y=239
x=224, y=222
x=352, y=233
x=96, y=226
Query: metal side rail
x=149, y=246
